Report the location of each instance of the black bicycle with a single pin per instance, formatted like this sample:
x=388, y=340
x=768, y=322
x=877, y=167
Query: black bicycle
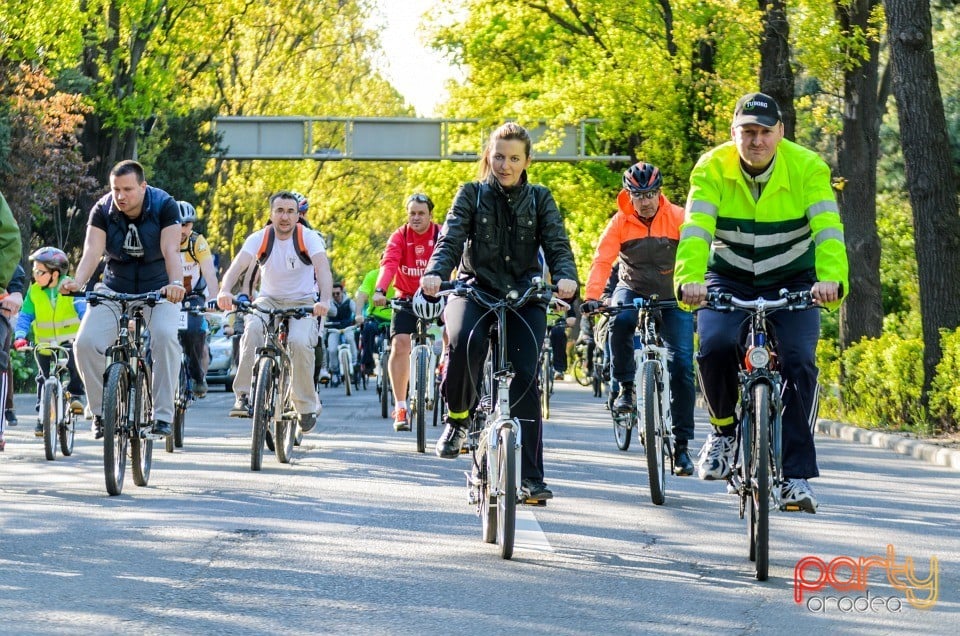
x=758, y=473
x=184, y=397
x=274, y=418
x=127, y=398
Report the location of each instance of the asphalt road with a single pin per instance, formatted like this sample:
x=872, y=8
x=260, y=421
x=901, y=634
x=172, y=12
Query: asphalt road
x=362, y=535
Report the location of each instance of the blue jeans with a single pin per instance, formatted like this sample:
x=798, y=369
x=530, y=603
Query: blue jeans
x=676, y=329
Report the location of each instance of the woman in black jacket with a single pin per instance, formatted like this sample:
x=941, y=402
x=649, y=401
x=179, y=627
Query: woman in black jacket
x=492, y=234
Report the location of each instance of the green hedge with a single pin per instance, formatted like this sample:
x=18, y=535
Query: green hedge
x=24, y=371
x=881, y=382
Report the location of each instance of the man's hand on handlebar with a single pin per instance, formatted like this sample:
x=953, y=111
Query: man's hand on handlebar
x=825, y=291
x=693, y=293
x=173, y=293
x=566, y=288
x=430, y=284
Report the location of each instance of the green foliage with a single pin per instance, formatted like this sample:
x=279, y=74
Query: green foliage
x=898, y=267
x=881, y=383
x=945, y=393
x=24, y=371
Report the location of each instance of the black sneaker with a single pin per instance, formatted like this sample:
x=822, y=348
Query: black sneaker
x=682, y=464
x=535, y=490
x=161, y=428
x=625, y=402
x=452, y=439
x=241, y=406
x=10, y=417
x=97, y=427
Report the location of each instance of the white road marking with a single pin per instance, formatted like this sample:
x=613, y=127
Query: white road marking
x=529, y=535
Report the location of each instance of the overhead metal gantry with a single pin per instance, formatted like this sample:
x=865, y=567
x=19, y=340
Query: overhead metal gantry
x=392, y=139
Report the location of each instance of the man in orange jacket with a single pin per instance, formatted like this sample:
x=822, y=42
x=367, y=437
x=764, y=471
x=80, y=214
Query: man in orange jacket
x=643, y=234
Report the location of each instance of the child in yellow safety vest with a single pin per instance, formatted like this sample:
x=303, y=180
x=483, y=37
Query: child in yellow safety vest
x=54, y=318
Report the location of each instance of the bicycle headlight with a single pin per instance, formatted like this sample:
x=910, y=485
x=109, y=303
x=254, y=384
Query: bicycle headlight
x=758, y=358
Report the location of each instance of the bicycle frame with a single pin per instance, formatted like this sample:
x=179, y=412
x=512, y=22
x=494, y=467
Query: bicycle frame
x=653, y=349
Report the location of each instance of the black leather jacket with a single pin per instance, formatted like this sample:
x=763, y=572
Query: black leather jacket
x=494, y=236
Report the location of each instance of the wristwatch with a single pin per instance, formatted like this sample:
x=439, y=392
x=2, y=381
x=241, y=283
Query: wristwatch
x=178, y=283
x=378, y=290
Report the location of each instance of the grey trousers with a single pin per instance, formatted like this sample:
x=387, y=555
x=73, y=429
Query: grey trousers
x=301, y=343
x=98, y=330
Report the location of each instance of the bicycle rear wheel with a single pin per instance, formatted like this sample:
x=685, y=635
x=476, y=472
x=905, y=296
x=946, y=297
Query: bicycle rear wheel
x=48, y=417
x=175, y=439
x=546, y=381
x=507, y=492
x=622, y=429
x=286, y=428
x=760, y=478
x=420, y=399
x=653, y=430
x=116, y=409
x=263, y=408
x=141, y=447
x=346, y=370
x=67, y=429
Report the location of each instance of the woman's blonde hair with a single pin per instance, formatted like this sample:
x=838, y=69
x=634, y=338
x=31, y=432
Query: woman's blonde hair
x=509, y=131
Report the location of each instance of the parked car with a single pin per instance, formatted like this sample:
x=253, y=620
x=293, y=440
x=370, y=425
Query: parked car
x=223, y=366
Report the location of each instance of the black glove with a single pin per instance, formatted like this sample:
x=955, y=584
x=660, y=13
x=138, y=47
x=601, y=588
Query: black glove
x=590, y=306
x=212, y=305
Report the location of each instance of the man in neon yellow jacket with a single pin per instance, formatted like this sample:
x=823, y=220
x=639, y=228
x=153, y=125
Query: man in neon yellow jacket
x=761, y=216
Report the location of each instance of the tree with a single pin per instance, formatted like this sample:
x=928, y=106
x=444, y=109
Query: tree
x=930, y=178
x=857, y=150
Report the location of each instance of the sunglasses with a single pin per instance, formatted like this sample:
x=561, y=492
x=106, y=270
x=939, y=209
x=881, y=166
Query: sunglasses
x=419, y=198
x=38, y=272
x=645, y=195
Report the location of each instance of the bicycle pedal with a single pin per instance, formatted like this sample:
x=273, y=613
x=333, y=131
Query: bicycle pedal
x=534, y=502
x=791, y=508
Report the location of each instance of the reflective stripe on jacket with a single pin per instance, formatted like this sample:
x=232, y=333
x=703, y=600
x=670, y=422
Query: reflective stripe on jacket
x=792, y=231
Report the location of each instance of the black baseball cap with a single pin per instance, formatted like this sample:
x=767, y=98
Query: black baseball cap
x=756, y=108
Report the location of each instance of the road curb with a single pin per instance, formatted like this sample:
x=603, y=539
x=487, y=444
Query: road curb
x=924, y=451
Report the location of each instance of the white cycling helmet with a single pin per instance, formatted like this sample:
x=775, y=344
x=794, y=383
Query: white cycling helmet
x=425, y=308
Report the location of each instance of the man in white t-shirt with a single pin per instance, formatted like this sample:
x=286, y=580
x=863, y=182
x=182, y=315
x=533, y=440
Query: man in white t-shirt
x=293, y=265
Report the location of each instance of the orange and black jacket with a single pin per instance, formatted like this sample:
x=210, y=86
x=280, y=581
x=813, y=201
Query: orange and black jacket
x=646, y=253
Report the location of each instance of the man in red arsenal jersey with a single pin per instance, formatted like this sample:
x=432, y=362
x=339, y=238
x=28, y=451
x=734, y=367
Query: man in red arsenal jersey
x=403, y=262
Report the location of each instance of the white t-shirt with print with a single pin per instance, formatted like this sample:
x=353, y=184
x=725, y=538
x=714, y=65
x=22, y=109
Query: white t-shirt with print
x=284, y=276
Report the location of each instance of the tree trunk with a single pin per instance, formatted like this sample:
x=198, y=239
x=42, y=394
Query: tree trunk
x=862, y=312
x=929, y=174
x=776, y=74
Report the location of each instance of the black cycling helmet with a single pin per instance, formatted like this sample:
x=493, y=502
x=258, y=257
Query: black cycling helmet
x=52, y=258
x=641, y=177
x=188, y=213
x=302, y=204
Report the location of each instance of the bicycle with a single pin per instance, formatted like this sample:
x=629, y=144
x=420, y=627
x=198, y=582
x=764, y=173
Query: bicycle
x=58, y=420
x=583, y=361
x=274, y=418
x=547, y=372
x=127, y=398
x=345, y=360
x=757, y=473
x=623, y=423
x=601, y=362
x=494, y=435
x=652, y=417
x=384, y=390
x=184, y=397
x=423, y=371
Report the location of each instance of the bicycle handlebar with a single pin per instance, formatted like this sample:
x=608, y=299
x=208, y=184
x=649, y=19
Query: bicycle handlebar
x=638, y=303
x=791, y=301
x=247, y=307
x=151, y=298
x=537, y=291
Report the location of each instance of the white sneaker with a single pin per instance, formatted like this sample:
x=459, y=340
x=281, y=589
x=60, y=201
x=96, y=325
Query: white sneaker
x=717, y=457
x=797, y=494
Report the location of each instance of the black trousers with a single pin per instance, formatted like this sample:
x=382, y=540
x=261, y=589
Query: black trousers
x=468, y=329
x=558, y=342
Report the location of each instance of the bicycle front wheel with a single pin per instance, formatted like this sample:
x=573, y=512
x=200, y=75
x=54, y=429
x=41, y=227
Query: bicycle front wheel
x=384, y=385
x=760, y=479
x=653, y=442
x=581, y=374
x=67, y=429
x=420, y=400
x=622, y=429
x=116, y=409
x=141, y=447
x=488, y=499
x=48, y=416
x=263, y=407
x=507, y=492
